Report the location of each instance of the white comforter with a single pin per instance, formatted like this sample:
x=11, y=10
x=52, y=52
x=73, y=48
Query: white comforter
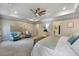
x=62, y=49
x=18, y=48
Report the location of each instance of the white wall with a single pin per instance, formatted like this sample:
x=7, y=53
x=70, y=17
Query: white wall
x=6, y=29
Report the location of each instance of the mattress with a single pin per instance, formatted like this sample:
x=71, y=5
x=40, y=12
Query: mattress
x=18, y=48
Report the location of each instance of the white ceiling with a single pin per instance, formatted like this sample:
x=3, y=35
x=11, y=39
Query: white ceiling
x=22, y=10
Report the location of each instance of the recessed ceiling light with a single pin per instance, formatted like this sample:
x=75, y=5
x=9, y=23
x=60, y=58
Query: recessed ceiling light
x=37, y=14
x=64, y=8
x=15, y=12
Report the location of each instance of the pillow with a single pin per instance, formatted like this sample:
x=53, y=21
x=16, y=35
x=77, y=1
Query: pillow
x=72, y=39
x=13, y=33
x=11, y=38
x=15, y=36
x=27, y=34
x=8, y=37
x=75, y=46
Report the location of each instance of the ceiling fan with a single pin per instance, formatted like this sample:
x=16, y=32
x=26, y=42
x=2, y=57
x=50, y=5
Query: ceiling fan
x=38, y=12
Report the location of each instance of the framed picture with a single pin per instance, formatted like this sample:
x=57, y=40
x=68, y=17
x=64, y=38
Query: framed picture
x=70, y=25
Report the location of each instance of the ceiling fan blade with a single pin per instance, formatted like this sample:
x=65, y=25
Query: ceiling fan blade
x=32, y=11
x=43, y=11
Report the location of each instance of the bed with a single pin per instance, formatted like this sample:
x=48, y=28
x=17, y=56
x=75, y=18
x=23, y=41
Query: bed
x=16, y=48
x=46, y=47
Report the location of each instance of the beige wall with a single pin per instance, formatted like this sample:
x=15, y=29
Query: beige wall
x=22, y=26
x=40, y=28
x=66, y=29
x=35, y=29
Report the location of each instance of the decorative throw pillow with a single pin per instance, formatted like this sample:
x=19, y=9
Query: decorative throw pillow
x=27, y=34
x=11, y=38
x=8, y=37
x=75, y=46
x=15, y=36
x=72, y=39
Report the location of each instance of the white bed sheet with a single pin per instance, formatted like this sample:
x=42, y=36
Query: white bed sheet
x=62, y=49
x=18, y=48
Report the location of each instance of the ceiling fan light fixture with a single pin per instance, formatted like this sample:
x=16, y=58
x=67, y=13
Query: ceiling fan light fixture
x=39, y=12
x=64, y=8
